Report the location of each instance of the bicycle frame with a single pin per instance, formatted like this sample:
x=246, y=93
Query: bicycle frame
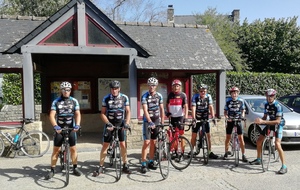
x=269, y=148
x=28, y=141
x=181, y=146
x=64, y=153
x=115, y=154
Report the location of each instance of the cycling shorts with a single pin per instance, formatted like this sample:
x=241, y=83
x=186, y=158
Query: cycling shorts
x=150, y=133
x=58, y=138
x=198, y=125
x=229, y=128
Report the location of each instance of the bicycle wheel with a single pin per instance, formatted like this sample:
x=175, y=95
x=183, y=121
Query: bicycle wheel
x=61, y=160
x=182, y=147
x=204, y=149
x=232, y=145
x=236, y=147
x=2, y=146
x=118, y=161
x=266, y=155
x=35, y=144
x=164, y=158
x=274, y=152
x=67, y=163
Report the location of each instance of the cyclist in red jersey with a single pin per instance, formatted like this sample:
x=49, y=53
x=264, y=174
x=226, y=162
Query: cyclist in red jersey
x=177, y=106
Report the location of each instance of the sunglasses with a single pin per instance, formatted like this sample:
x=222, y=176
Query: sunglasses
x=66, y=90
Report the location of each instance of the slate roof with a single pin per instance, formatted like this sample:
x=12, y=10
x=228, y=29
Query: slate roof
x=172, y=47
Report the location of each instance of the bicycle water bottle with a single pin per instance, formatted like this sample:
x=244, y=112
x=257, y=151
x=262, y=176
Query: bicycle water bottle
x=16, y=138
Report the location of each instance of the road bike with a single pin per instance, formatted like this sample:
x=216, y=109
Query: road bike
x=269, y=151
x=234, y=141
x=64, y=153
x=31, y=143
x=202, y=140
x=180, y=146
x=162, y=151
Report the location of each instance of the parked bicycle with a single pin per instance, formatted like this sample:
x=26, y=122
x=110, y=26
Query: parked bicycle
x=234, y=141
x=202, y=140
x=114, y=152
x=64, y=153
x=180, y=147
x=31, y=143
x=269, y=150
x=162, y=152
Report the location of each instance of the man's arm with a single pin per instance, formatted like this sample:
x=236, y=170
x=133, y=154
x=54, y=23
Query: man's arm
x=146, y=114
x=128, y=114
x=52, y=118
x=103, y=115
x=162, y=113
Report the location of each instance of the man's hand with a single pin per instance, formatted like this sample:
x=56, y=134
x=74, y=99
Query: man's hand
x=126, y=126
x=258, y=121
x=168, y=114
x=109, y=126
x=57, y=128
x=184, y=120
x=214, y=121
x=151, y=124
x=76, y=127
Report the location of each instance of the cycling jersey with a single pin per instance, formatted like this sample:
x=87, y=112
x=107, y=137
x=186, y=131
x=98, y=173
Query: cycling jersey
x=202, y=106
x=234, y=108
x=153, y=102
x=176, y=103
x=65, y=109
x=115, y=107
x=274, y=110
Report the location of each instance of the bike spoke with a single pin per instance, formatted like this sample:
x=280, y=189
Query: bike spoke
x=164, y=158
x=180, y=149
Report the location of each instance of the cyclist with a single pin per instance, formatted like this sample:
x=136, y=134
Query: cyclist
x=202, y=107
x=65, y=112
x=152, y=103
x=272, y=109
x=177, y=106
x=115, y=111
x=234, y=108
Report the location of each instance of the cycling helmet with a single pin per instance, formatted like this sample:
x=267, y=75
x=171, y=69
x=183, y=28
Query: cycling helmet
x=152, y=81
x=176, y=82
x=270, y=92
x=115, y=84
x=234, y=89
x=202, y=86
x=65, y=85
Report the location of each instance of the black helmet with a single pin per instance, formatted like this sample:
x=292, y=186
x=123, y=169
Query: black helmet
x=115, y=84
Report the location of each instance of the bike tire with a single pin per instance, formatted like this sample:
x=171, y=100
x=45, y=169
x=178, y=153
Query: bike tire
x=67, y=163
x=61, y=159
x=266, y=155
x=236, y=152
x=118, y=161
x=164, y=158
x=2, y=146
x=35, y=144
x=182, y=159
x=205, y=148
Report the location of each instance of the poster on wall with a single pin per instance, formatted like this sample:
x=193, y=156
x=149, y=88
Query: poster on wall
x=103, y=88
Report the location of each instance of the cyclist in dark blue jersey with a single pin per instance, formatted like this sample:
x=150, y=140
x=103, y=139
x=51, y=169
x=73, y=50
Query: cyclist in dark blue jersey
x=115, y=111
x=274, y=110
x=65, y=112
x=152, y=103
x=234, y=109
x=202, y=108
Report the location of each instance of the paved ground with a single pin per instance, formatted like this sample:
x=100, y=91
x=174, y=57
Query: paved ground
x=28, y=173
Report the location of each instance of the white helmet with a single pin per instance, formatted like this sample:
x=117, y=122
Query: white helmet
x=152, y=81
x=65, y=85
x=270, y=92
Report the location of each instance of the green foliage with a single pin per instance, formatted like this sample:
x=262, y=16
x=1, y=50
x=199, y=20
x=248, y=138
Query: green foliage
x=252, y=83
x=225, y=33
x=31, y=7
x=12, y=89
x=271, y=46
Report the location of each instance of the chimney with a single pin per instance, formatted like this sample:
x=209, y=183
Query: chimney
x=235, y=15
x=170, y=13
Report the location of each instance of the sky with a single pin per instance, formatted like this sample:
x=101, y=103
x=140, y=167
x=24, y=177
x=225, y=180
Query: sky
x=250, y=9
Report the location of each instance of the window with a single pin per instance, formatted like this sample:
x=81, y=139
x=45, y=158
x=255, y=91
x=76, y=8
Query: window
x=81, y=90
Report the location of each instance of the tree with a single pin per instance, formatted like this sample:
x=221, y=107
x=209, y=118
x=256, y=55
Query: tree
x=38, y=8
x=225, y=32
x=134, y=10
x=270, y=45
x=12, y=89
